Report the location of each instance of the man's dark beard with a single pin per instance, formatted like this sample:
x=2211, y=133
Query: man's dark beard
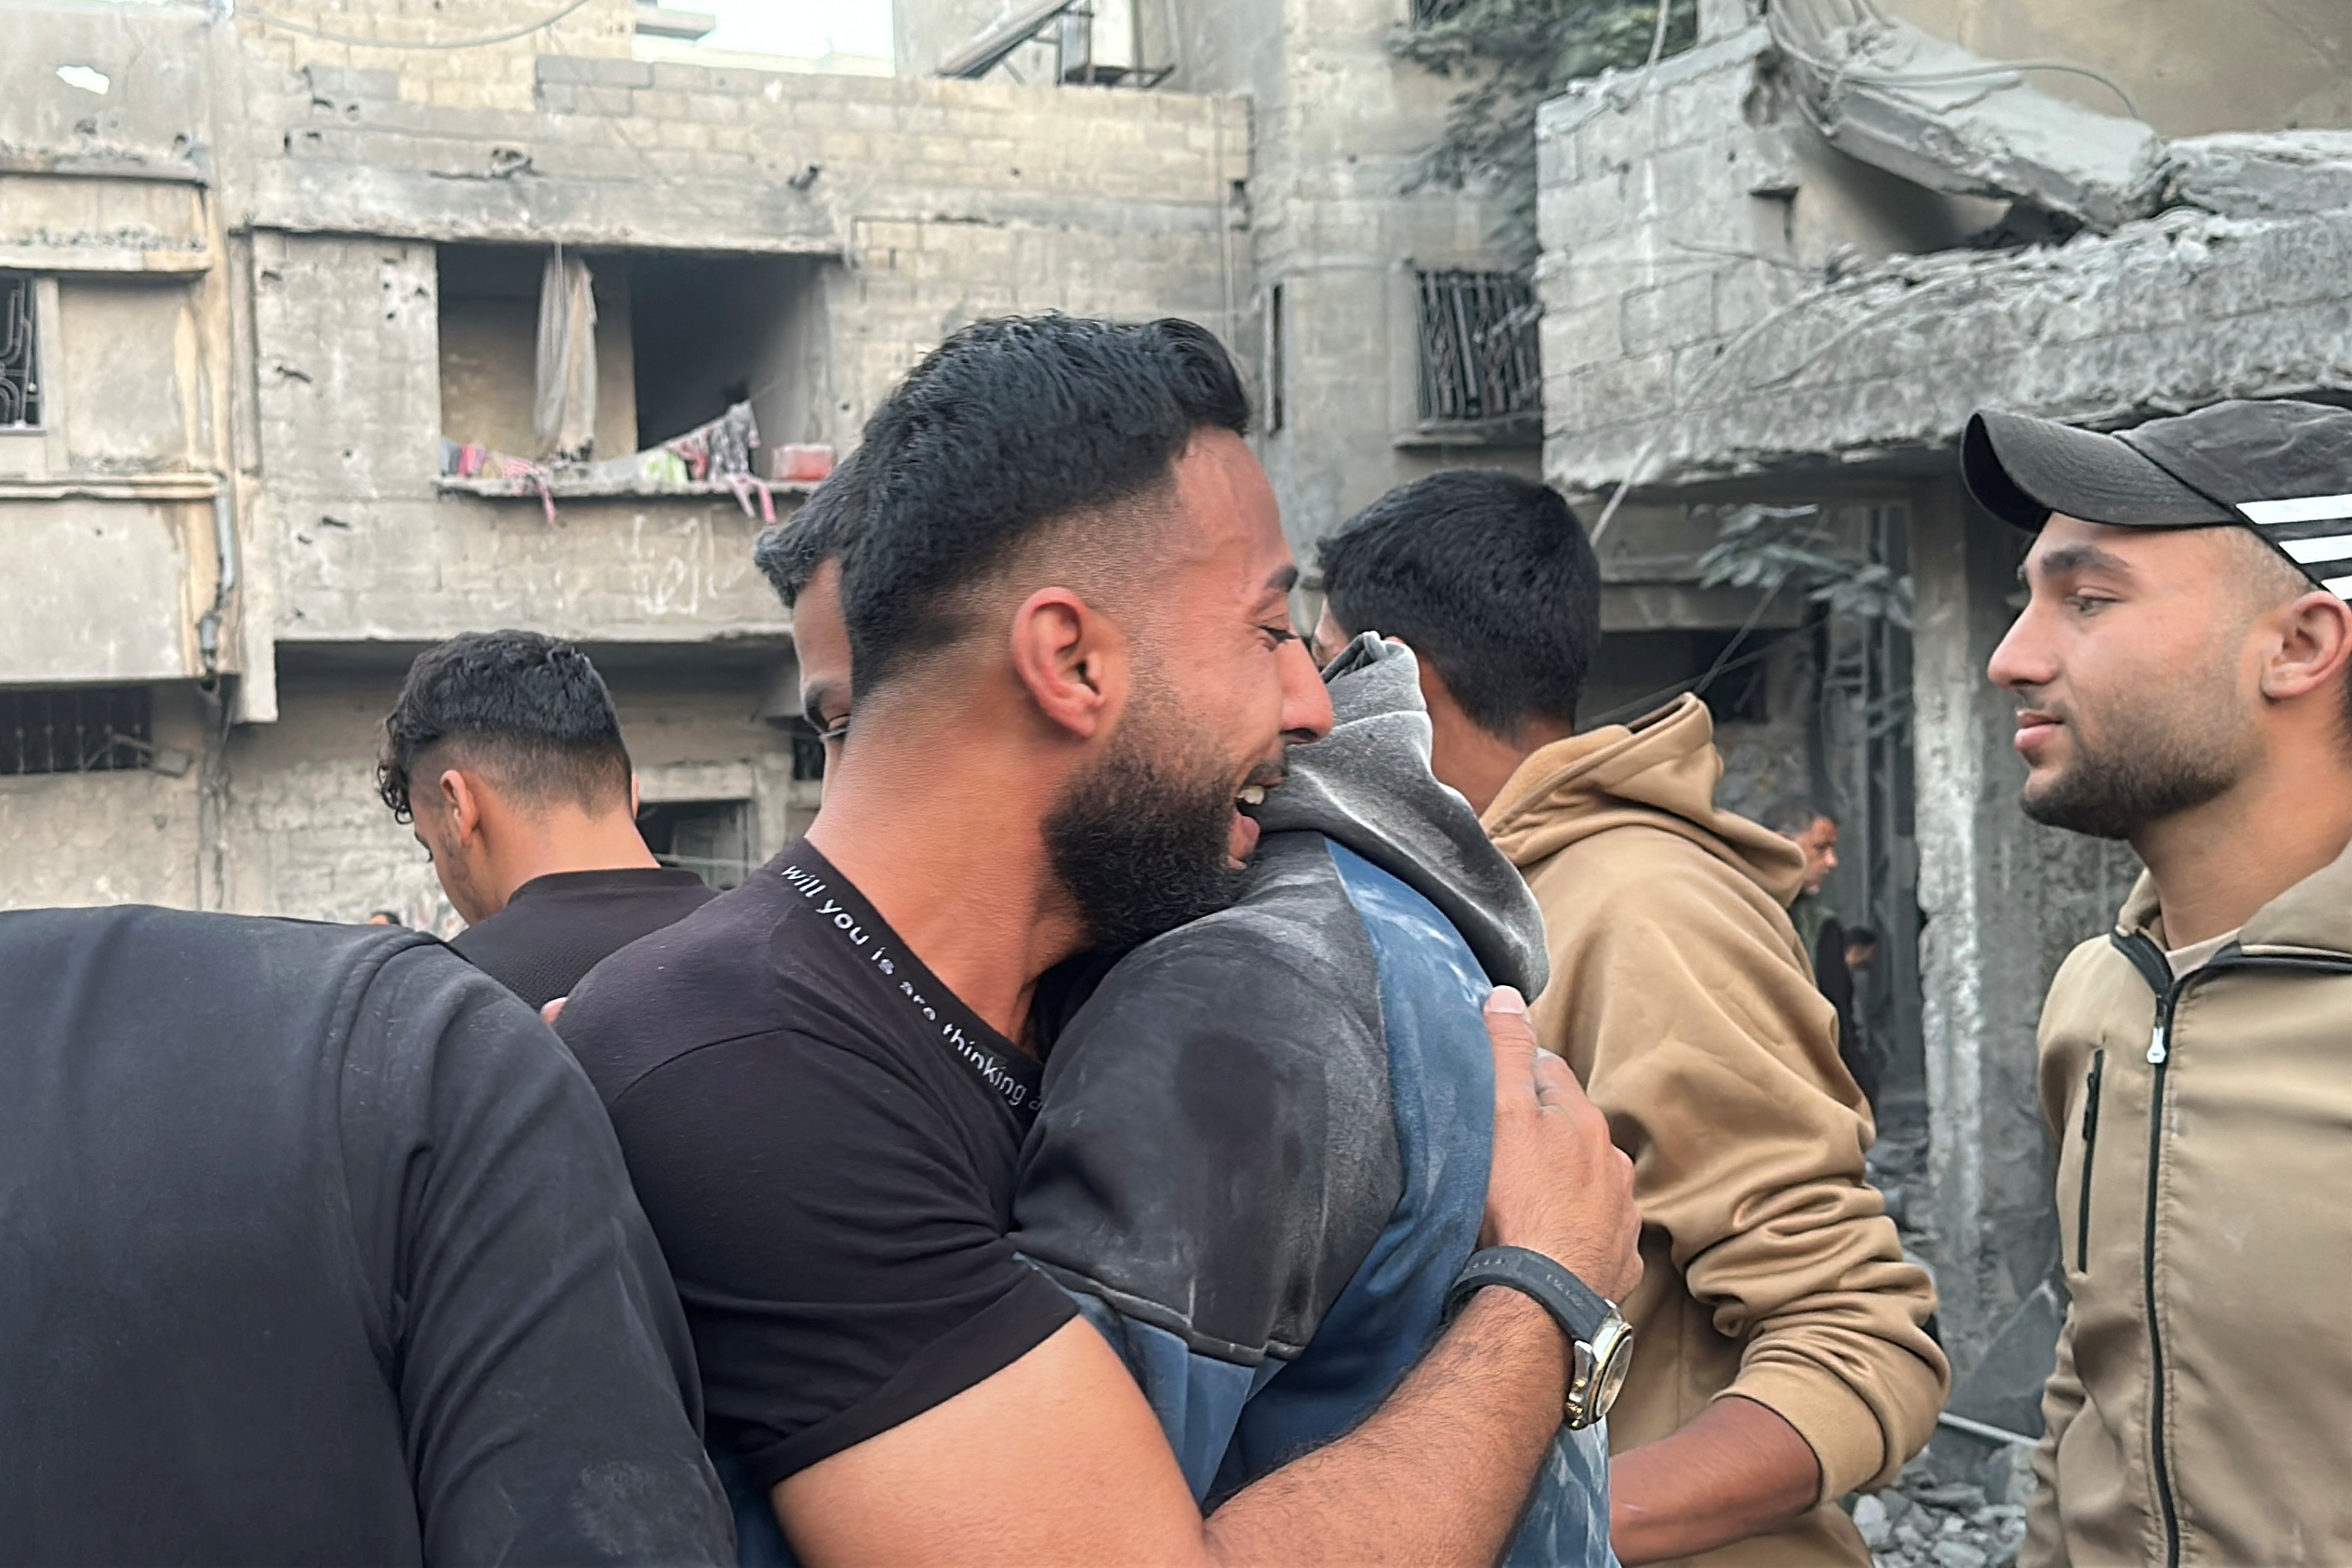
x=1141, y=849
x=2115, y=797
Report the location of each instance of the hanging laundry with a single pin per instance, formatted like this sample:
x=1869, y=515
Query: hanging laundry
x=563, y=414
x=720, y=448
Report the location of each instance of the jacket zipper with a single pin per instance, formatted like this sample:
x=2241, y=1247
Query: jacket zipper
x=2090, y=1147
x=2156, y=970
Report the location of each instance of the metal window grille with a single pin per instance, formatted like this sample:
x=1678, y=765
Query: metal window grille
x=91, y=729
x=20, y=365
x=1478, y=356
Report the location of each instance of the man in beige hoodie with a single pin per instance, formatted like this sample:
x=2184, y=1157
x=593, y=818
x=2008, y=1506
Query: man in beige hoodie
x=1780, y=1359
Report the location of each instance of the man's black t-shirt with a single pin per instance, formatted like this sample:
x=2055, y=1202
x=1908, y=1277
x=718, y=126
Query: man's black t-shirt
x=555, y=928
x=824, y=1139
x=315, y=1249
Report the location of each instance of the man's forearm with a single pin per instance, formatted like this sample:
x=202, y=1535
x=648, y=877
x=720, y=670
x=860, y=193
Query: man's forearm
x=1439, y=1473
x=1738, y=1471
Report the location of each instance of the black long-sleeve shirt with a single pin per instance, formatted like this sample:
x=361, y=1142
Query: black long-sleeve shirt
x=316, y=1246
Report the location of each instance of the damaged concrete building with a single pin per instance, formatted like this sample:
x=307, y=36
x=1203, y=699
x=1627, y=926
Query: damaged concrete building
x=329, y=336
x=1779, y=270
x=278, y=406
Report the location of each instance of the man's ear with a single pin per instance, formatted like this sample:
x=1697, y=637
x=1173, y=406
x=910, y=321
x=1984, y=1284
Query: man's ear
x=461, y=804
x=1071, y=658
x=2315, y=646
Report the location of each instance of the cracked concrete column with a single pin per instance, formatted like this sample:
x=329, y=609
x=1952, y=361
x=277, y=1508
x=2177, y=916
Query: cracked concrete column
x=2005, y=901
x=1979, y=966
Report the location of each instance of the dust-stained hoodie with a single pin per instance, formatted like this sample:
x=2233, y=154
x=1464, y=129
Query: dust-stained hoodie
x=1262, y=1154
x=1682, y=997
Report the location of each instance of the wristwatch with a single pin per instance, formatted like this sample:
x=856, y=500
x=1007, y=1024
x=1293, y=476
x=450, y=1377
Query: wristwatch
x=1603, y=1341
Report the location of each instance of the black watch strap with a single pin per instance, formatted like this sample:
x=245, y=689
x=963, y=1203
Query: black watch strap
x=1576, y=1307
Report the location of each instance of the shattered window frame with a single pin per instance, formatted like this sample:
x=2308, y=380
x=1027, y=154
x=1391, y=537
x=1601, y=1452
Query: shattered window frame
x=1478, y=364
x=21, y=396
x=75, y=729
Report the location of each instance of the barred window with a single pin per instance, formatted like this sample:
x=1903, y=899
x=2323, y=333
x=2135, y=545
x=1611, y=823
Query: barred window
x=20, y=364
x=1478, y=356
x=87, y=729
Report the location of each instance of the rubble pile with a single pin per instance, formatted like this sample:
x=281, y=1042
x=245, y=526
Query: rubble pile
x=1923, y=1522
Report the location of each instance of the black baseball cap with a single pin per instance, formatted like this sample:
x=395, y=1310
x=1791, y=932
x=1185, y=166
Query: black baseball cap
x=2281, y=469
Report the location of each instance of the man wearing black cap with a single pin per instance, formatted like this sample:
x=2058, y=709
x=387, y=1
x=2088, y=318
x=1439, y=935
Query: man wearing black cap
x=2182, y=675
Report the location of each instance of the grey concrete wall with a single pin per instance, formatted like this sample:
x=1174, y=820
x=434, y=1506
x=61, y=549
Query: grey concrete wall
x=1338, y=221
x=307, y=836
x=131, y=837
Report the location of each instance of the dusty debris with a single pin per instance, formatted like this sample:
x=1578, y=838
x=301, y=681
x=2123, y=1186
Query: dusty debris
x=1924, y=1522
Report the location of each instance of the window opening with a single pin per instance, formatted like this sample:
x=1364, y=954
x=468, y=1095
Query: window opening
x=1636, y=672
x=20, y=363
x=712, y=839
x=1478, y=349
x=77, y=729
x=701, y=369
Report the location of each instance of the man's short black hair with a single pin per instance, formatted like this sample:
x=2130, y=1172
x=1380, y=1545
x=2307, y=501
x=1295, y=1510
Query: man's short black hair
x=1861, y=937
x=1792, y=814
x=529, y=707
x=1008, y=428
x=789, y=553
x=1487, y=576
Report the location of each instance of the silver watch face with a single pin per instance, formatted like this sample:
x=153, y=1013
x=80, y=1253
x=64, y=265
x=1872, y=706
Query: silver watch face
x=1614, y=1352
x=1598, y=1371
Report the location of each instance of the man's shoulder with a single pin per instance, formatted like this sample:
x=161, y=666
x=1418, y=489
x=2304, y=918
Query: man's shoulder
x=1292, y=944
x=725, y=971
x=1639, y=870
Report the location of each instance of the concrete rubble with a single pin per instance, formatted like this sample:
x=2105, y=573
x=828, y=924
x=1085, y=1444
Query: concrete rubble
x=1951, y=121
x=1923, y=1522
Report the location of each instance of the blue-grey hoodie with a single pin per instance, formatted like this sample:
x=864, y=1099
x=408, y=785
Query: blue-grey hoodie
x=1263, y=1152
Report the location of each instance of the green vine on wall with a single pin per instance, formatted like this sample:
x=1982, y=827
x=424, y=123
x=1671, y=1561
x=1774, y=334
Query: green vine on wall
x=1512, y=55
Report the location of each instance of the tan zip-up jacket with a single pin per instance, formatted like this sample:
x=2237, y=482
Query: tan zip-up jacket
x=2204, y=1127
x=1681, y=997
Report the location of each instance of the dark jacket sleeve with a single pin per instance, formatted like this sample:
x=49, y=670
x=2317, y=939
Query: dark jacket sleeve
x=540, y=1358
x=1215, y=1156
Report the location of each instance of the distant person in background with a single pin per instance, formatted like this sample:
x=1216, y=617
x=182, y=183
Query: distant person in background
x=1781, y=1360
x=1861, y=949
x=1857, y=952
x=384, y=917
x=1827, y=941
x=505, y=756
x=800, y=559
x=1815, y=833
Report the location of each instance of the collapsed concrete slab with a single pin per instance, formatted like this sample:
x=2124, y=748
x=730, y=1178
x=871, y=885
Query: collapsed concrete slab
x=2262, y=174
x=2165, y=315
x=1952, y=120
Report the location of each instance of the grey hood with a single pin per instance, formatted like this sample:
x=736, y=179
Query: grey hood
x=1368, y=786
